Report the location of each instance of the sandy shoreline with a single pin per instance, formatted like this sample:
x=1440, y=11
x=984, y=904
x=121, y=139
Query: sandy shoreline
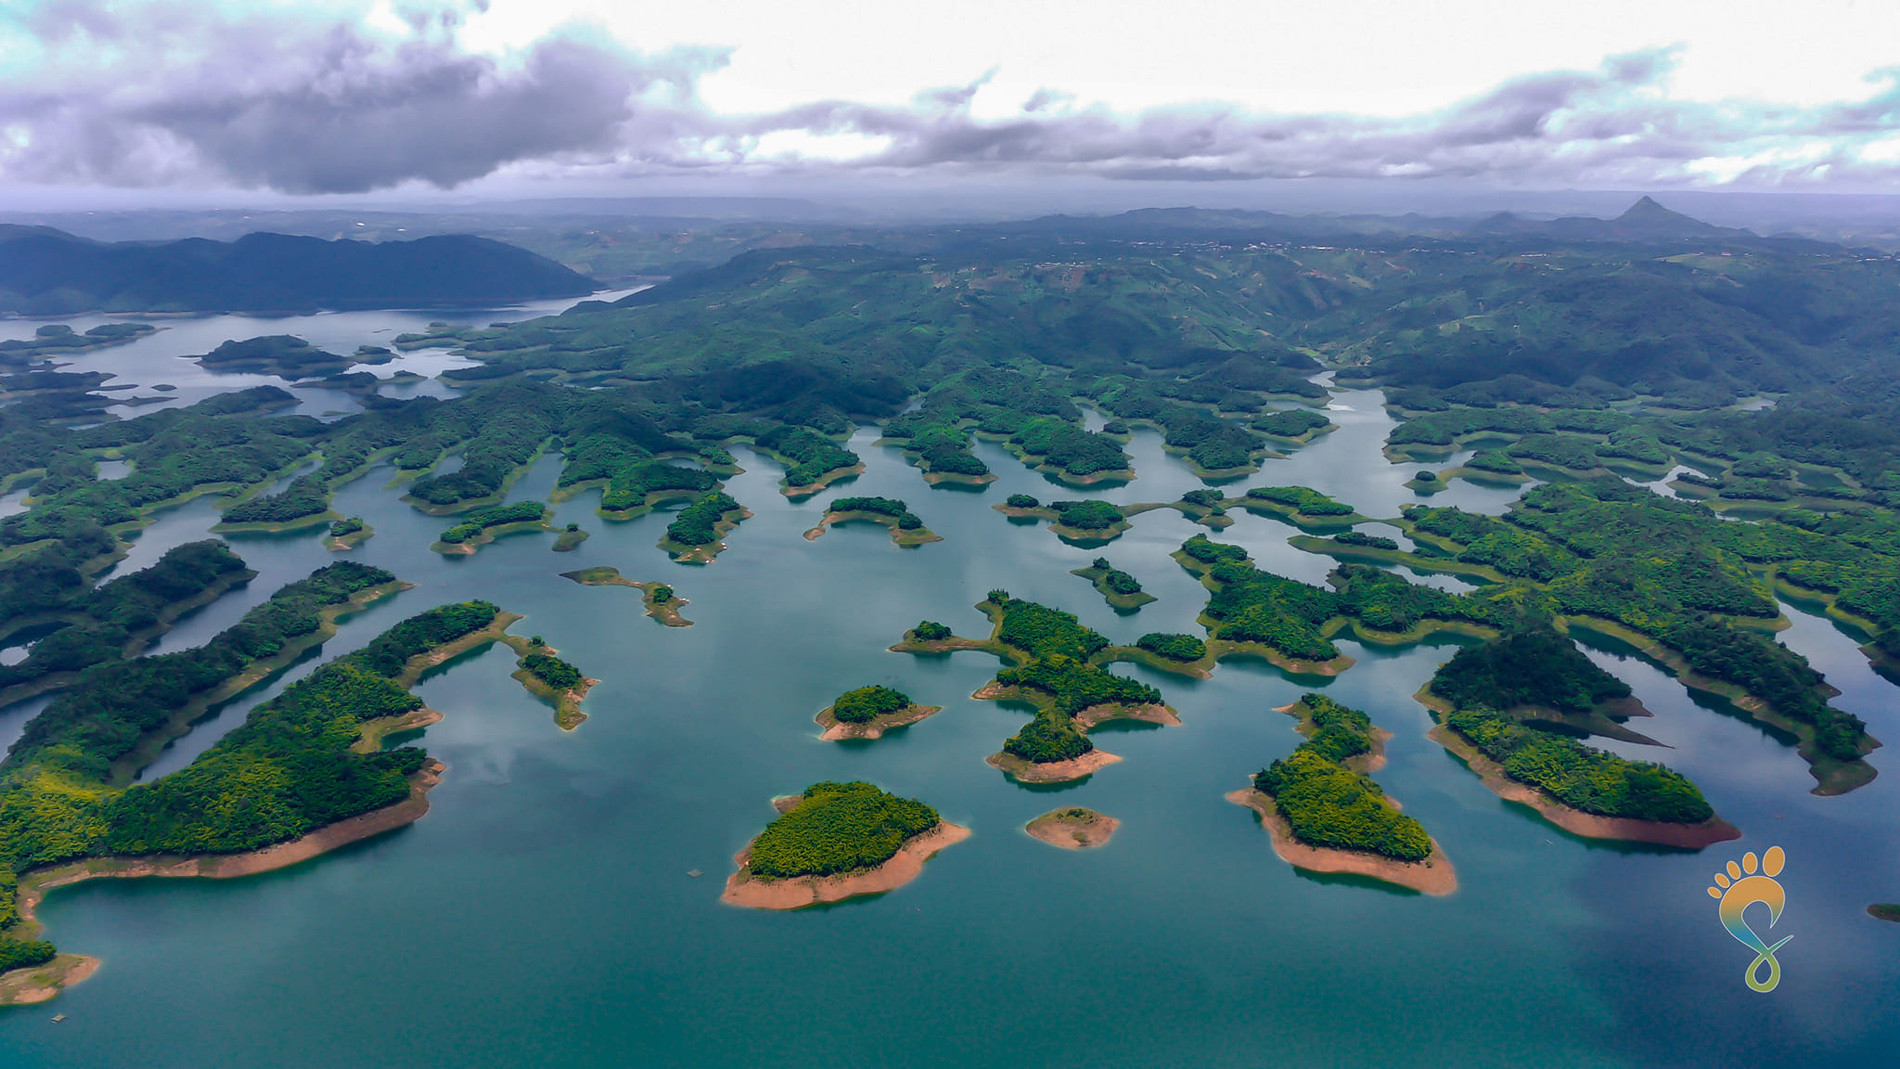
x=319, y=841
x=743, y=889
x=1096, y=715
x=1073, y=828
x=836, y=730
x=1575, y=821
x=1433, y=876
x=899, y=536
x=1369, y=762
x=1051, y=771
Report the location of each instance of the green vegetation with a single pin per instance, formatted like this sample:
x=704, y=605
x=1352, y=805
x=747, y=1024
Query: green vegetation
x=58, y=339
x=1123, y=591
x=1494, y=461
x=49, y=273
x=865, y=704
x=1366, y=541
x=105, y=623
x=1292, y=423
x=1295, y=619
x=698, y=523
x=289, y=768
x=1581, y=777
x=1329, y=805
x=1040, y=631
x=1047, y=739
x=1530, y=666
x=23, y=953
x=930, y=631
x=660, y=594
x=1090, y=515
x=1077, y=685
x=835, y=828
x=278, y=354
x=480, y=521
x=549, y=669
x=812, y=456
x=1299, y=499
x=113, y=705
x=346, y=526
x=630, y=485
x=1070, y=449
x=881, y=506
x=1211, y=443
x=1173, y=647
x=1022, y=501
x=1672, y=572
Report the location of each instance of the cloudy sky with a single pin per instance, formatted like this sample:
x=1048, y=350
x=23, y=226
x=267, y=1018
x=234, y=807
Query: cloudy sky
x=168, y=98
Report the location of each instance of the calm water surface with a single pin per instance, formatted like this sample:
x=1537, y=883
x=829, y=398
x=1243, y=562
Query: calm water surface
x=542, y=914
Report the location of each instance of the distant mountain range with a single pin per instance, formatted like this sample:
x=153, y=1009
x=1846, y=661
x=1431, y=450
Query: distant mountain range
x=44, y=271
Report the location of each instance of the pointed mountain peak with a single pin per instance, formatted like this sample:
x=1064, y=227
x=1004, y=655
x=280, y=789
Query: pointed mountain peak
x=1649, y=215
x=1647, y=208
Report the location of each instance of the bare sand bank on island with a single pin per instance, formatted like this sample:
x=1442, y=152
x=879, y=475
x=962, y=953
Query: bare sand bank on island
x=874, y=728
x=1575, y=821
x=1432, y=876
x=744, y=889
x=1096, y=715
x=1073, y=828
x=1051, y=771
x=39, y=983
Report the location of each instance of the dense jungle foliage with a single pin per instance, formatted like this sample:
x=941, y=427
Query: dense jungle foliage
x=865, y=704
x=838, y=827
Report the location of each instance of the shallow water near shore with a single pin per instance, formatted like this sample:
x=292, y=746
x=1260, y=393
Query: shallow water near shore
x=542, y=913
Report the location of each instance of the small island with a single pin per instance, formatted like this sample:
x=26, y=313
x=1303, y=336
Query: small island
x=58, y=339
x=1086, y=523
x=1303, y=507
x=1207, y=507
x=1074, y=828
x=907, y=529
x=1884, y=911
x=696, y=535
x=837, y=841
x=551, y=679
x=347, y=533
x=868, y=712
x=1053, y=670
x=1325, y=814
x=1122, y=591
x=485, y=525
x=662, y=603
x=570, y=539
x=283, y=355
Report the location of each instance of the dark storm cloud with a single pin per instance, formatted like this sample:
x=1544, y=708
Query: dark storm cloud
x=303, y=107
x=176, y=94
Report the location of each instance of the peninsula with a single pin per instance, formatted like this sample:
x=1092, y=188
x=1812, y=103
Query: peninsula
x=1325, y=813
x=661, y=601
x=906, y=528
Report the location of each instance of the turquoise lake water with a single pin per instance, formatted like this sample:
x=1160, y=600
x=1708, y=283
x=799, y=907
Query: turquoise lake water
x=542, y=913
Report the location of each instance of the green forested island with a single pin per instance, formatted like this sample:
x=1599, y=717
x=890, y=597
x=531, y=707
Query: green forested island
x=1123, y=591
x=837, y=841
